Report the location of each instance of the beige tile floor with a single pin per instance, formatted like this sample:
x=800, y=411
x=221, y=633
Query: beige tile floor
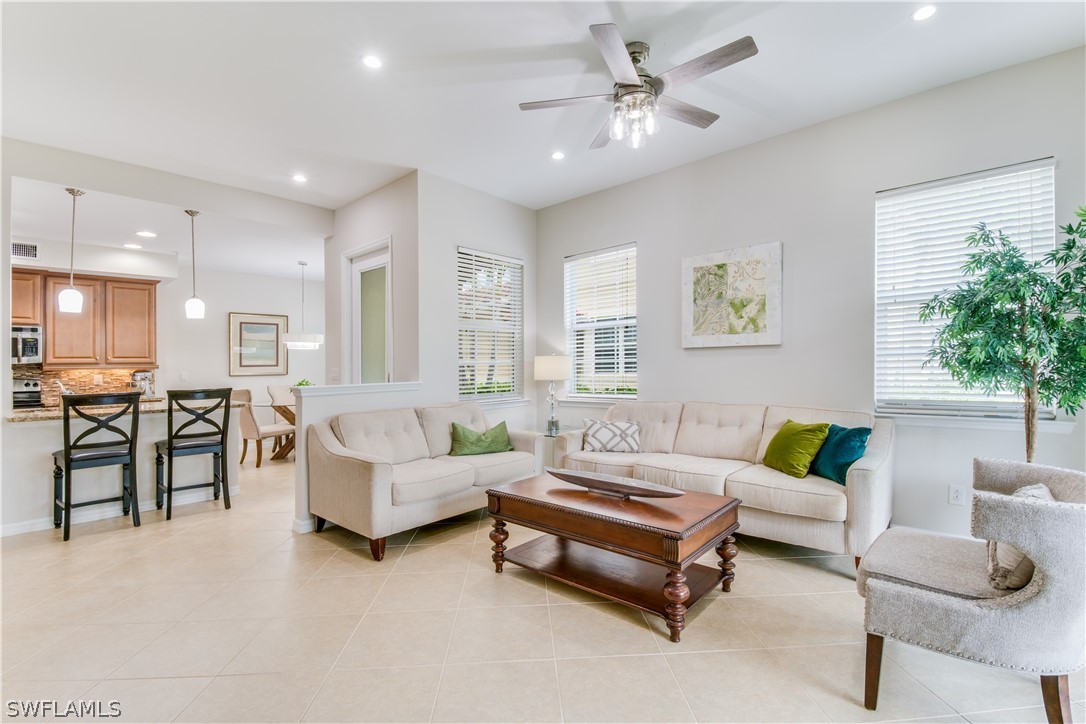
x=229, y=616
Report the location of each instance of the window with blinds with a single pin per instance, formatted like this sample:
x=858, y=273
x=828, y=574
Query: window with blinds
x=601, y=321
x=490, y=305
x=920, y=249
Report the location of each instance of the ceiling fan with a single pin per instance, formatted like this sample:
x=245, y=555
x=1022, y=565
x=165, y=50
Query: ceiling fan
x=638, y=95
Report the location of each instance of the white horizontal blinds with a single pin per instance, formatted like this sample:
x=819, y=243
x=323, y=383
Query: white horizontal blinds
x=601, y=321
x=920, y=250
x=490, y=305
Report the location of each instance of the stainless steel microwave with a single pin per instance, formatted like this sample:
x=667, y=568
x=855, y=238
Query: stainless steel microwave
x=26, y=345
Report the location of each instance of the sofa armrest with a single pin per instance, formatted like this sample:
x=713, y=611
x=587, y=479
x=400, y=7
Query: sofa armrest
x=529, y=441
x=869, y=489
x=349, y=488
x=566, y=443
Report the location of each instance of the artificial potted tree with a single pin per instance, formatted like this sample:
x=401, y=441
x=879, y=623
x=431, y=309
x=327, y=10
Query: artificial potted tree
x=1017, y=325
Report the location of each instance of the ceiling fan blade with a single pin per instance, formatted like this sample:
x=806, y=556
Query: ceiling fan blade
x=559, y=102
x=685, y=112
x=615, y=54
x=603, y=137
x=704, y=65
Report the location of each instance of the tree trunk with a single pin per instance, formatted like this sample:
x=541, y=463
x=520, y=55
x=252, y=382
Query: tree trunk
x=1031, y=413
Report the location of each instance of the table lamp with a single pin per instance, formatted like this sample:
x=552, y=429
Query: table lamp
x=552, y=368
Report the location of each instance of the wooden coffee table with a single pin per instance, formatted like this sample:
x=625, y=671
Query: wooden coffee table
x=637, y=551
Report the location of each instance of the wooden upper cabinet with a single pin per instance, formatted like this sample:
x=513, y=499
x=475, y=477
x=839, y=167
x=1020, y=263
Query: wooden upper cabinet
x=130, y=322
x=26, y=298
x=73, y=339
x=116, y=327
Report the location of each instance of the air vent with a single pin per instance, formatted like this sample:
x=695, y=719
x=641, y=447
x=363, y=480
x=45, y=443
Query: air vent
x=22, y=250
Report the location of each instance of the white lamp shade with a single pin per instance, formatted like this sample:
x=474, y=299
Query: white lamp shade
x=553, y=367
x=303, y=341
x=70, y=300
x=194, y=308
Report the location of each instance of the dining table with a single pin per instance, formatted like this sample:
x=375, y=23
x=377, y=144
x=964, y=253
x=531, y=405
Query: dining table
x=287, y=413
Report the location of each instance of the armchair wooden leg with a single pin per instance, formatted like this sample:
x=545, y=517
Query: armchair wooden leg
x=244, y=449
x=318, y=523
x=377, y=548
x=1057, y=699
x=259, y=451
x=874, y=669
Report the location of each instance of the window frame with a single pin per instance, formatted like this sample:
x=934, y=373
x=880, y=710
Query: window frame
x=468, y=260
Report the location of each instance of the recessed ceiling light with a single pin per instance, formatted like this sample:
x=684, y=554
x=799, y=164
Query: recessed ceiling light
x=558, y=155
x=924, y=13
x=146, y=234
x=131, y=246
x=299, y=178
x=371, y=61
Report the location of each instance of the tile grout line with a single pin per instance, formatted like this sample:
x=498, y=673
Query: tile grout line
x=554, y=650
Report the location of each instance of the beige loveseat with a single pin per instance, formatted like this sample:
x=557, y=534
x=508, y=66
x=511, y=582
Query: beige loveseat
x=718, y=448
x=386, y=471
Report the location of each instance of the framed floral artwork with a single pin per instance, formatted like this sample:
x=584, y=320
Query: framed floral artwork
x=733, y=297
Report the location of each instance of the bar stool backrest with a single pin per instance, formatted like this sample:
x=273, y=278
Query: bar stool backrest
x=113, y=436
x=210, y=419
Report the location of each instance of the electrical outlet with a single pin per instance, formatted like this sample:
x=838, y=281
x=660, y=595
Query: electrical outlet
x=98, y=379
x=184, y=377
x=957, y=494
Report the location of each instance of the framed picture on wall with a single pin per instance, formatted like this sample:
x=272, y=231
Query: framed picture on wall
x=733, y=297
x=256, y=344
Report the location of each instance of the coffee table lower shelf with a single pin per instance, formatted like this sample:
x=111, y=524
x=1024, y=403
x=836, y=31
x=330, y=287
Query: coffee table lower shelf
x=620, y=578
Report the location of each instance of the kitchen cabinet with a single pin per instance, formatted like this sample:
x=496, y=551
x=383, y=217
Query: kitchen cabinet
x=26, y=301
x=115, y=328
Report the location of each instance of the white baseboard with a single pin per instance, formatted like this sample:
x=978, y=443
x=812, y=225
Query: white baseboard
x=86, y=515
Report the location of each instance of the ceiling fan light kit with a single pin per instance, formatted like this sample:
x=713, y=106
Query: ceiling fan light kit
x=638, y=97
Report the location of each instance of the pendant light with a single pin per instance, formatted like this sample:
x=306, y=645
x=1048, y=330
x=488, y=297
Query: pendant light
x=70, y=299
x=303, y=340
x=194, y=307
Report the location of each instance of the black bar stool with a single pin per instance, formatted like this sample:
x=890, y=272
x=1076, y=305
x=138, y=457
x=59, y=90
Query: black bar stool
x=206, y=428
x=116, y=446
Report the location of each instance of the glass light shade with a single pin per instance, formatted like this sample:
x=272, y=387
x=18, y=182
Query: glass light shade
x=633, y=118
x=70, y=300
x=303, y=341
x=553, y=367
x=194, y=308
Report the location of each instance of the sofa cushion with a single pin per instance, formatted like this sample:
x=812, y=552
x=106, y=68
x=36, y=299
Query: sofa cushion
x=498, y=468
x=712, y=430
x=794, y=447
x=767, y=489
x=428, y=479
x=843, y=446
x=776, y=416
x=687, y=472
x=437, y=420
x=466, y=441
x=611, y=436
x=612, y=463
x=393, y=435
x=659, y=421
x=928, y=560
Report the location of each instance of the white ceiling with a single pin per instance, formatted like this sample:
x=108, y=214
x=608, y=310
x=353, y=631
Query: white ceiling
x=247, y=94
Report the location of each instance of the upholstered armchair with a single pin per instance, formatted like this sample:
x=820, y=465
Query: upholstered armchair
x=253, y=430
x=933, y=590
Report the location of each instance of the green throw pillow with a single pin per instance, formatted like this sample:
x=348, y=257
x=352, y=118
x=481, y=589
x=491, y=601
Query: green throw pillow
x=794, y=446
x=466, y=441
x=843, y=446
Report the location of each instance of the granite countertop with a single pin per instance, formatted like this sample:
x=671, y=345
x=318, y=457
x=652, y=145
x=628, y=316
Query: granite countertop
x=148, y=406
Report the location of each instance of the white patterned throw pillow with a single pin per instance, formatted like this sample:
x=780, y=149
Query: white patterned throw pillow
x=604, y=436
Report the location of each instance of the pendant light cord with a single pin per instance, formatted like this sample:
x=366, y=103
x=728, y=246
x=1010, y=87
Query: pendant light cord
x=76, y=193
x=303, y=265
x=192, y=217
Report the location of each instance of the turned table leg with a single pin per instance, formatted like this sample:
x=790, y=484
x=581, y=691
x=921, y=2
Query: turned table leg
x=676, y=592
x=727, y=550
x=499, y=535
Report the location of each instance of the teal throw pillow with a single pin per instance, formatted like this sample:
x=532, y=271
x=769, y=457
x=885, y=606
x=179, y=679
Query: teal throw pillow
x=843, y=446
x=794, y=446
x=466, y=441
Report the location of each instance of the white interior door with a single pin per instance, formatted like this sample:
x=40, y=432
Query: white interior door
x=371, y=305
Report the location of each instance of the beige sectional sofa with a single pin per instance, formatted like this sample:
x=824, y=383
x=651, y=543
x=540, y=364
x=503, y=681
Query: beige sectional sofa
x=718, y=448
x=382, y=472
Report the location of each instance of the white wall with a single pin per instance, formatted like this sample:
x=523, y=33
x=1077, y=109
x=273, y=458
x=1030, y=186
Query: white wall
x=814, y=191
x=199, y=348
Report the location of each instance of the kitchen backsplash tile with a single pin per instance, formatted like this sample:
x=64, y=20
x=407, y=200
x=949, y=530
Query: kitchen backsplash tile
x=82, y=381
